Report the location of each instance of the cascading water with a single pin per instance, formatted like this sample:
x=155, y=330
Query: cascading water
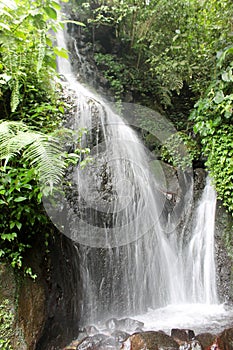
x=132, y=259
x=201, y=265
x=129, y=236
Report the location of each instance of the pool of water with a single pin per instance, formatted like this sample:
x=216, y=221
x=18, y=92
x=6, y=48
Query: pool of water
x=198, y=317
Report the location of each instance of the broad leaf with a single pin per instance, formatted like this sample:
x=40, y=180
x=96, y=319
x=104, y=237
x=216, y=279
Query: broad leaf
x=51, y=12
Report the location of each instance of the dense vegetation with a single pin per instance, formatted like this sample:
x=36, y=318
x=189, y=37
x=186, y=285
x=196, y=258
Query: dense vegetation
x=175, y=56
x=31, y=112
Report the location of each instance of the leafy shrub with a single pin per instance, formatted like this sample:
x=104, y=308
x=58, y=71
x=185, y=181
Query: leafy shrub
x=180, y=150
x=213, y=116
x=30, y=107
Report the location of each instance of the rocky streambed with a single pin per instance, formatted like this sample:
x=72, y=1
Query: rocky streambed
x=127, y=334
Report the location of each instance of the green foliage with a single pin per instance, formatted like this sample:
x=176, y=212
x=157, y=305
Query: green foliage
x=180, y=150
x=184, y=38
x=28, y=55
x=112, y=70
x=22, y=214
x=26, y=49
x=41, y=151
x=6, y=325
x=123, y=16
x=32, y=163
x=32, y=159
x=213, y=118
x=165, y=45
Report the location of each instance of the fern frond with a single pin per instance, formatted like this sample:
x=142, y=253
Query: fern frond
x=43, y=152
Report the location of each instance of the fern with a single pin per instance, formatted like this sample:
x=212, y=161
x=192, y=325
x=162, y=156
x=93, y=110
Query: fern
x=43, y=152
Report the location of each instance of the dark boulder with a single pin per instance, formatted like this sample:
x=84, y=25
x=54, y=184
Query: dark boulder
x=182, y=335
x=109, y=344
x=224, y=341
x=91, y=330
x=120, y=336
x=91, y=343
x=206, y=340
x=191, y=345
x=111, y=324
x=129, y=324
x=150, y=341
x=126, y=324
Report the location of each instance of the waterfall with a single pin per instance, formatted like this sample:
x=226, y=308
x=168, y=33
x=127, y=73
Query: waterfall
x=134, y=254
x=200, y=252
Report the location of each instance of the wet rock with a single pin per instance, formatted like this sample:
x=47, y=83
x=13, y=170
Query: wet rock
x=109, y=344
x=31, y=310
x=129, y=324
x=138, y=330
x=224, y=242
x=9, y=307
x=214, y=346
x=224, y=341
x=91, y=343
x=126, y=324
x=73, y=345
x=109, y=341
x=120, y=336
x=112, y=324
x=206, y=340
x=91, y=330
x=191, y=345
x=150, y=341
x=108, y=347
x=182, y=335
x=199, y=182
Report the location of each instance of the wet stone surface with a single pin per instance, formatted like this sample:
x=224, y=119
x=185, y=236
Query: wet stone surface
x=114, y=338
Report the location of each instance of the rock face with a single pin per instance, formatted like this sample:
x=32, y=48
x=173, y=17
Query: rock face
x=63, y=295
x=31, y=310
x=224, y=250
x=26, y=300
x=8, y=292
x=150, y=341
x=45, y=312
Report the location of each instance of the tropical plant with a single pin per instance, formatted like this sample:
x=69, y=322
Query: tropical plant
x=42, y=151
x=26, y=50
x=213, y=116
x=172, y=44
x=180, y=150
x=32, y=159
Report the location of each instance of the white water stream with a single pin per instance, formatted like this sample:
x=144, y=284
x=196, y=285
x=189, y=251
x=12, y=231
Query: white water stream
x=130, y=263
